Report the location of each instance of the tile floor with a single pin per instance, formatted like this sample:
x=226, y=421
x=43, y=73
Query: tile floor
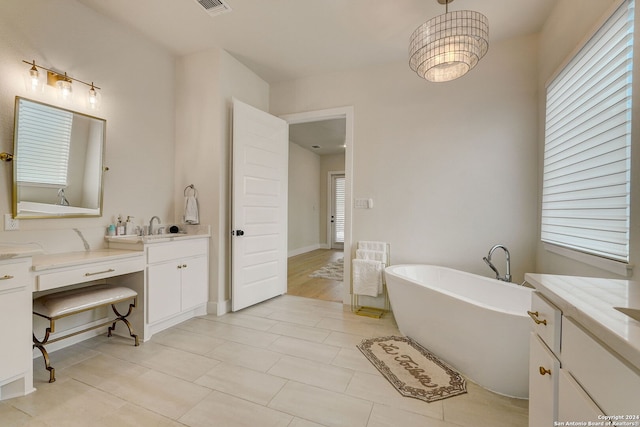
x=289, y=361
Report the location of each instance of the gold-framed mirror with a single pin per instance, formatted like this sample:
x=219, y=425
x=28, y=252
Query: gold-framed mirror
x=58, y=162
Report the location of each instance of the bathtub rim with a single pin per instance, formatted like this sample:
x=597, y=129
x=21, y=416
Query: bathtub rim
x=391, y=270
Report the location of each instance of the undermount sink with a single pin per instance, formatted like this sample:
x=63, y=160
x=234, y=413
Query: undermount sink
x=634, y=313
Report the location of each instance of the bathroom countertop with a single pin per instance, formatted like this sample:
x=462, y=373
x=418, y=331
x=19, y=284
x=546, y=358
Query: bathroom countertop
x=18, y=251
x=69, y=259
x=590, y=301
x=156, y=238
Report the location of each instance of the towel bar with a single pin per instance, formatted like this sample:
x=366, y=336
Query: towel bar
x=192, y=187
x=367, y=311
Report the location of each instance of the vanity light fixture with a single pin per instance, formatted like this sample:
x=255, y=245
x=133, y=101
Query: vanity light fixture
x=32, y=79
x=95, y=98
x=62, y=82
x=446, y=47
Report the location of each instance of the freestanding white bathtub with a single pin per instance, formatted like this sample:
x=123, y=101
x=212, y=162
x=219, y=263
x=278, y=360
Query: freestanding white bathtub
x=477, y=325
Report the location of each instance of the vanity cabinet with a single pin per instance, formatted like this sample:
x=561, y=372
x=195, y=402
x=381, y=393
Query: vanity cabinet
x=544, y=364
x=573, y=377
x=574, y=404
x=612, y=385
x=15, y=328
x=177, y=280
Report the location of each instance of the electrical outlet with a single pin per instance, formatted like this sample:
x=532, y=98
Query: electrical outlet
x=10, y=223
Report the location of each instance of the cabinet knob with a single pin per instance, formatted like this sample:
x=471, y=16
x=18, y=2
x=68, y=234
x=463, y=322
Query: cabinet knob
x=544, y=371
x=179, y=266
x=184, y=265
x=534, y=315
x=6, y=277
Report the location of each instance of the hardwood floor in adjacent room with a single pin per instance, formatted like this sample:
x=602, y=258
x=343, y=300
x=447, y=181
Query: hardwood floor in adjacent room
x=301, y=266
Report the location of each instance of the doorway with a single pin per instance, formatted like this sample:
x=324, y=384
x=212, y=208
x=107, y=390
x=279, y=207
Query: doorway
x=334, y=236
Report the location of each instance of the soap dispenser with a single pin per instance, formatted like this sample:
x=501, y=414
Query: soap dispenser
x=129, y=228
x=120, y=226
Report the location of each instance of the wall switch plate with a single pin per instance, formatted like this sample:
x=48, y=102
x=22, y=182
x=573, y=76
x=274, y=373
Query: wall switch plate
x=363, y=203
x=10, y=223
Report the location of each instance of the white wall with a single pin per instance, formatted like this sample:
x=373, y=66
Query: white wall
x=137, y=81
x=570, y=23
x=304, y=200
x=207, y=82
x=308, y=198
x=451, y=167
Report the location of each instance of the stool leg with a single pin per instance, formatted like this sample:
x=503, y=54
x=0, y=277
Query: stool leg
x=125, y=321
x=45, y=355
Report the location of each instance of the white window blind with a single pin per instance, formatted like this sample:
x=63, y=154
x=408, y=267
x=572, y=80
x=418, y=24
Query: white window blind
x=44, y=140
x=586, y=183
x=338, y=225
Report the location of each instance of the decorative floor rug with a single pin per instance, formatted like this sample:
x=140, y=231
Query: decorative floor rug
x=412, y=369
x=333, y=271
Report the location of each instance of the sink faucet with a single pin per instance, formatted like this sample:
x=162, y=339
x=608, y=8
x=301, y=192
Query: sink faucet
x=487, y=259
x=151, y=223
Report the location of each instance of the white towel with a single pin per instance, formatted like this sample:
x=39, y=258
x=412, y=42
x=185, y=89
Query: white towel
x=372, y=246
x=367, y=277
x=191, y=210
x=372, y=255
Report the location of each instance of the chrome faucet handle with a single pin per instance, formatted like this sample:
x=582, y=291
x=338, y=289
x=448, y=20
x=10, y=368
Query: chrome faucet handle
x=491, y=266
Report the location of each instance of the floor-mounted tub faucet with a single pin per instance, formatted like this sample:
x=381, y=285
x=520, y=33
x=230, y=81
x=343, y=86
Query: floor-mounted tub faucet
x=487, y=259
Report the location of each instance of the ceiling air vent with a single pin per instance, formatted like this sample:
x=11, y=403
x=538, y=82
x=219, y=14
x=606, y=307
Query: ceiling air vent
x=214, y=7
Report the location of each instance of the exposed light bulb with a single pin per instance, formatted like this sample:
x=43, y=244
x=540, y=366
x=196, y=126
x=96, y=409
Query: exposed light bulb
x=32, y=80
x=65, y=90
x=94, y=98
x=35, y=77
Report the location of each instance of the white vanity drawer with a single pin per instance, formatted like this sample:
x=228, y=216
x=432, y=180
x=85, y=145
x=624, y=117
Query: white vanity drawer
x=86, y=273
x=159, y=252
x=612, y=384
x=547, y=321
x=13, y=275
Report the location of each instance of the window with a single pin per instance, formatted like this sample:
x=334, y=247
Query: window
x=337, y=216
x=586, y=182
x=43, y=144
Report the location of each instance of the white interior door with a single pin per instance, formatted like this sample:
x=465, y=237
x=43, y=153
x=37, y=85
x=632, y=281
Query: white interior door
x=259, y=206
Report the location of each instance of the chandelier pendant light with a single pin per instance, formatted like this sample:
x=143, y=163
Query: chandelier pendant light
x=448, y=46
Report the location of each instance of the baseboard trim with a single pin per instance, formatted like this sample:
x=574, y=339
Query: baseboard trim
x=218, y=308
x=306, y=249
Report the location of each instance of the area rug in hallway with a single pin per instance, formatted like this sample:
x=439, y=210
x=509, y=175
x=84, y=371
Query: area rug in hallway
x=333, y=271
x=412, y=369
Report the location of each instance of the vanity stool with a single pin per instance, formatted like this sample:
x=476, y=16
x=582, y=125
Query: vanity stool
x=67, y=303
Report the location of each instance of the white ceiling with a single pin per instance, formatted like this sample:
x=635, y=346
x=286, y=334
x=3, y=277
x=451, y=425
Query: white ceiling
x=286, y=39
x=282, y=40
x=322, y=137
